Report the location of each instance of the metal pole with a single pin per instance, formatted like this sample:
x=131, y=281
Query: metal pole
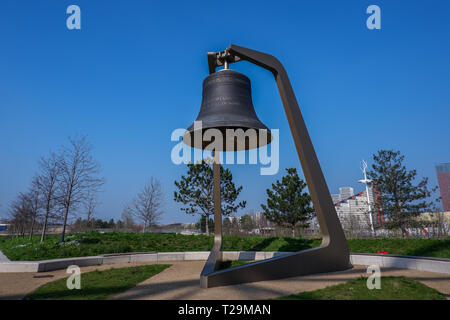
x=366, y=182
x=216, y=252
x=368, y=199
x=217, y=201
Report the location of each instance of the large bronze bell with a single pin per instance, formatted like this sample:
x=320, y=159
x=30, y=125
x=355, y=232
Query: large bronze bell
x=227, y=104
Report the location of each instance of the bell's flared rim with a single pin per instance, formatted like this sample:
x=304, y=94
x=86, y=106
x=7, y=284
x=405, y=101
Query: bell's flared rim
x=234, y=138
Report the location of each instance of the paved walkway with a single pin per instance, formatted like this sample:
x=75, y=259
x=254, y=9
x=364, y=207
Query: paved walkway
x=181, y=281
x=16, y=285
x=3, y=258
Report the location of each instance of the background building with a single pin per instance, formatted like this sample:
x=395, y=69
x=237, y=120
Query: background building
x=443, y=177
x=353, y=210
x=336, y=198
x=346, y=193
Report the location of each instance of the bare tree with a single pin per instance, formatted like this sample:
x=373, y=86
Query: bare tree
x=46, y=183
x=146, y=206
x=24, y=212
x=78, y=178
x=91, y=205
x=33, y=197
x=127, y=218
x=18, y=216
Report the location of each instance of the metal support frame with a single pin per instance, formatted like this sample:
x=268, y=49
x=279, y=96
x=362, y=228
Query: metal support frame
x=216, y=252
x=333, y=253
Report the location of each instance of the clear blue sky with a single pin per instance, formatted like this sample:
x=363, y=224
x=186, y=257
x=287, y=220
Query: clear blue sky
x=133, y=74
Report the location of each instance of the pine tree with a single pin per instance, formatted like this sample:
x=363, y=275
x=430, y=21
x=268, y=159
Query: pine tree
x=195, y=190
x=401, y=200
x=247, y=223
x=287, y=204
x=201, y=224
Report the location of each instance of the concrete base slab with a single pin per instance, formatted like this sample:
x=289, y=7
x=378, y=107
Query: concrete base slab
x=21, y=266
x=116, y=259
x=150, y=257
x=57, y=264
x=196, y=255
x=170, y=256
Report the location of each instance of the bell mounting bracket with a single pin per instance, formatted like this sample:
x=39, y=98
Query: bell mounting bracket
x=333, y=254
x=217, y=59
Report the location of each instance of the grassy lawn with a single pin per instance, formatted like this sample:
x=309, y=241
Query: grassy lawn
x=94, y=243
x=405, y=246
x=97, y=285
x=392, y=288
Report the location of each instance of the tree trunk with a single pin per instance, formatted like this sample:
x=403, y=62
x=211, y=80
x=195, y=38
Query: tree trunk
x=32, y=227
x=293, y=231
x=207, y=224
x=45, y=225
x=65, y=223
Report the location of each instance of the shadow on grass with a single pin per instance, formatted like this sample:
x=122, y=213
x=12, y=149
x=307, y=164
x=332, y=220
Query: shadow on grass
x=288, y=244
x=263, y=244
x=293, y=244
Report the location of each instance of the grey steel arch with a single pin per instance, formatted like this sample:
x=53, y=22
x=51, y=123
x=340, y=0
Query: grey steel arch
x=333, y=253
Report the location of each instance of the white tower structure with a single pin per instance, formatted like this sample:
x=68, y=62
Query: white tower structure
x=367, y=182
